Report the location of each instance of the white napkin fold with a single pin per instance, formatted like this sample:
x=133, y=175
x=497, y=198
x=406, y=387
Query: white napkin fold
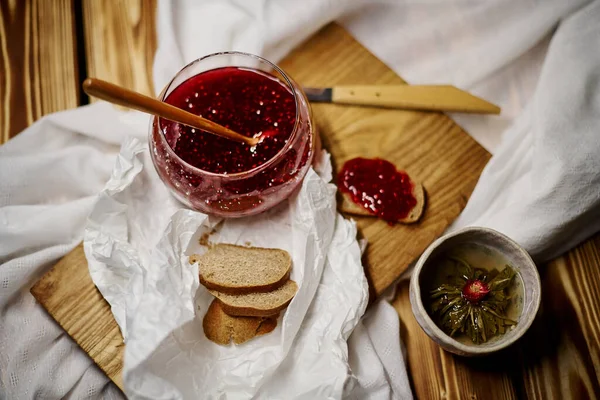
x=51, y=173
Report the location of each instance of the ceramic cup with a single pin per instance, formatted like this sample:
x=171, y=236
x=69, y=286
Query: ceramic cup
x=515, y=255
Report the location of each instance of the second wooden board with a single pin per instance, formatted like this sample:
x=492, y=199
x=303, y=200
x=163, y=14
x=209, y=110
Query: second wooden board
x=431, y=147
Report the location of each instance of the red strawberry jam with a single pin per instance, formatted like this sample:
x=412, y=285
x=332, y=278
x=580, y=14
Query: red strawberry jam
x=246, y=101
x=379, y=187
x=226, y=177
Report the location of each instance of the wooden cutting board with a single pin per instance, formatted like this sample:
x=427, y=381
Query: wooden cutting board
x=429, y=146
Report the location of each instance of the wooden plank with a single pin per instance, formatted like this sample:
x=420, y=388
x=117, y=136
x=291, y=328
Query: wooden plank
x=83, y=314
x=38, y=60
x=120, y=42
x=558, y=358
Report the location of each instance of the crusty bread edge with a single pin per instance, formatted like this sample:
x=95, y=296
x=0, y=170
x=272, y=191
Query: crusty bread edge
x=266, y=325
x=208, y=326
x=251, y=311
x=350, y=207
x=418, y=210
x=235, y=311
x=247, y=289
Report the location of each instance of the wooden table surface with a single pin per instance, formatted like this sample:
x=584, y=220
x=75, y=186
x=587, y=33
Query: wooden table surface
x=48, y=47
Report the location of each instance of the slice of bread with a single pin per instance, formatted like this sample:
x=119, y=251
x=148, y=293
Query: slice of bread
x=267, y=325
x=235, y=269
x=257, y=304
x=347, y=205
x=223, y=329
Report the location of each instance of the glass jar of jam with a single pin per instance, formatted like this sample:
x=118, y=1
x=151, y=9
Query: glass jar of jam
x=251, y=96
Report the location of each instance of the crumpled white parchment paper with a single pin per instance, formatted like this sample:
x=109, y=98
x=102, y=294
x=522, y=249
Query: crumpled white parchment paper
x=138, y=240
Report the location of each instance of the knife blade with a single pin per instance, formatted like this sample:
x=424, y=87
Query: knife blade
x=408, y=97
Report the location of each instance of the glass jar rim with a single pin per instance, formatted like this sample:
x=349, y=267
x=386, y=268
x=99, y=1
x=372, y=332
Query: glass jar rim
x=252, y=171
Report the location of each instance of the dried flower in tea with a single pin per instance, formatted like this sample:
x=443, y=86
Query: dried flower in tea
x=474, y=302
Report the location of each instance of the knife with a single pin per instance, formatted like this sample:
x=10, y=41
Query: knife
x=409, y=97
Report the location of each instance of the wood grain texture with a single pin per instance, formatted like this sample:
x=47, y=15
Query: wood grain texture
x=38, y=73
x=413, y=97
x=428, y=145
x=558, y=358
x=120, y=42
x=82, y=312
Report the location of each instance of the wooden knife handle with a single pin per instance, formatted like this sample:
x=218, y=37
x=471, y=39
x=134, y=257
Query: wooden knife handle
x=413, y=97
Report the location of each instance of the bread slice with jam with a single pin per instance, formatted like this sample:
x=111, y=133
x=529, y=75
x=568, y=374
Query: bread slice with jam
x=347, y=205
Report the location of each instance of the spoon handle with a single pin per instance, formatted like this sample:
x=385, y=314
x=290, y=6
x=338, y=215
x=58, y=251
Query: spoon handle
x=137, y=101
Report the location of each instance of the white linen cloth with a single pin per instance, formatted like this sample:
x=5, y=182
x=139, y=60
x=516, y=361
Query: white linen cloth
x=538, y=60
